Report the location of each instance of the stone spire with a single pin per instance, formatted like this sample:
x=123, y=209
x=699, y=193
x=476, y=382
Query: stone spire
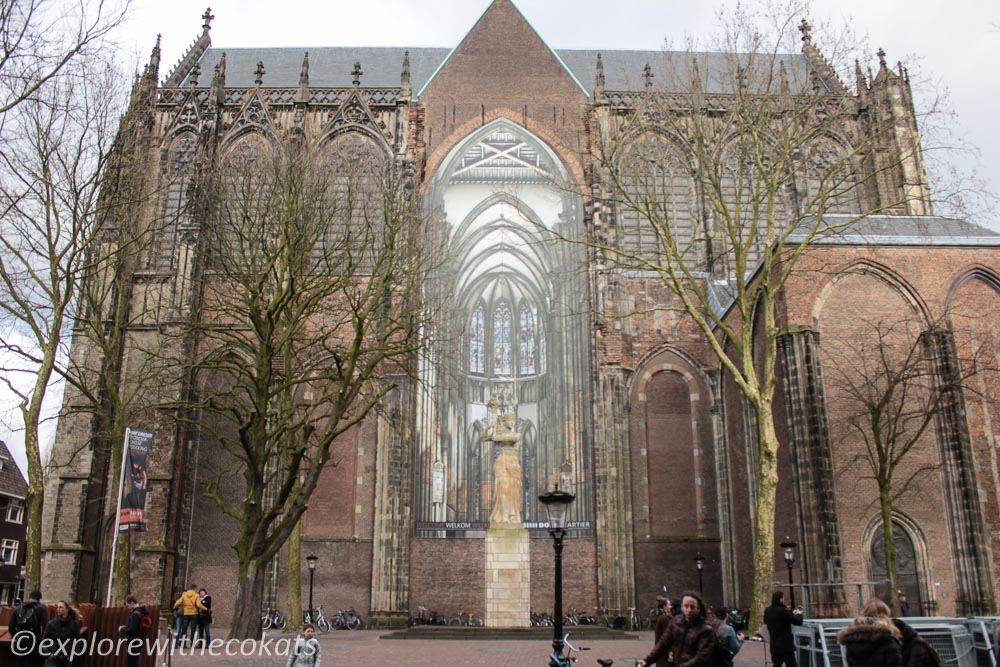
x=193, y=77
x=302, y=96
x=599, y=82
x=824, y=77
x=219, y=82
x=357, y=73
x=860, y=85
x=647, y=75
x=259, y=73
x=406, y=91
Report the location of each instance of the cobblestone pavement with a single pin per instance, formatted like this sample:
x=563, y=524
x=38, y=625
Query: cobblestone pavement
x=367, y=648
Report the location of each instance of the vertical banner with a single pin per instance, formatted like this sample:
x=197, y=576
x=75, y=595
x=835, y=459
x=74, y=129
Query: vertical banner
x=132, y=509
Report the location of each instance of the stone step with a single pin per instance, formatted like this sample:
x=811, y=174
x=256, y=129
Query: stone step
x=581, y=633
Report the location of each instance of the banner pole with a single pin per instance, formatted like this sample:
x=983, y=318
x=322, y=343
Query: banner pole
x=118, y=514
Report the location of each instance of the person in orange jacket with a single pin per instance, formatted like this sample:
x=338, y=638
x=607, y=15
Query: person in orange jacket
x=190, y=603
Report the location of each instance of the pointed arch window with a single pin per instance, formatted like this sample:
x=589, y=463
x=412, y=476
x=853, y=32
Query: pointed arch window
x=527, y=342
x=477, y=343
x=502, y=360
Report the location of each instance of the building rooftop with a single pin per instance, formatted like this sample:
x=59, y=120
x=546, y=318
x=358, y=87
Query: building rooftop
x=12, y=482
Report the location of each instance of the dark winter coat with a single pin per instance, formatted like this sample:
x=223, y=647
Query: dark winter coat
x=916, y=651
x=869, y=643
x=779, y=621
x=134, y=624
x=59, y=630
x=662, y=623
x=41, y=613
x=691, y=643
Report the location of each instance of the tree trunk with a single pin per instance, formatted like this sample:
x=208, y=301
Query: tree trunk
x=885, y=499
x=249, y=600
x=767, y=484
x=122, y=579
x=294, y=608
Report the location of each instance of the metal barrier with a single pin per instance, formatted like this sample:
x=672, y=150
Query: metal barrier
x=961, y=642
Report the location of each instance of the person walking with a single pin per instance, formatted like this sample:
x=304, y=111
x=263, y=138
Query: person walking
x=689, y=640
x=136, y=630
x=729, y=641
x=205, y=618
x=61, y=633
x=30, y=616
x=663, y=617
x=306, y=652
x=872, y=640
x=189, y=603
x=779, y=621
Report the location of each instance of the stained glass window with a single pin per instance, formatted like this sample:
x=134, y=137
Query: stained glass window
x=477, y=343
x=527, y=341
x=501, y=341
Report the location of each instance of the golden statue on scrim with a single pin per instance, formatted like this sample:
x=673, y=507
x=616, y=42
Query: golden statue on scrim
x=506, y=466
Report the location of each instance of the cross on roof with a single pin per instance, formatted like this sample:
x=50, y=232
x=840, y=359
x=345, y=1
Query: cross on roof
x=207, y=16
x=356, y=73
x=259, y=72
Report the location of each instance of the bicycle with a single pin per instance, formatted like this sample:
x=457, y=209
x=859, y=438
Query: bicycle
x=347, y=620
x=467, y=618
x=316, y=618
x=635, y=622
x=566, y=657
x=272, y=618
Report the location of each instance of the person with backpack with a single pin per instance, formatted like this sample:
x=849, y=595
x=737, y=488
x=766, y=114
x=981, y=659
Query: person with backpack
x=136, y=630
x=29, y=616
x=189, y=603
x=689, y=639
x=306, y=652
x=728, y=642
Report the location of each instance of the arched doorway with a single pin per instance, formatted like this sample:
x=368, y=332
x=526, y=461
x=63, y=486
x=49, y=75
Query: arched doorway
x=907, y=572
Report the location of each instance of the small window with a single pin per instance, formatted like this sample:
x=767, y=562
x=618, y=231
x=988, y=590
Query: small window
x=15, y=511
x=8, y=552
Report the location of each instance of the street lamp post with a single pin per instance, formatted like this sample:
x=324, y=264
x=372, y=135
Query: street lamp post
x=311, y=559
x=556, y=504
x=699, y=562
x=789, y=548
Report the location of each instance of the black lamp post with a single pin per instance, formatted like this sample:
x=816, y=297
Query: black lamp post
x=699, y=562
x=789, y=548
x=556, y=504
x=311, y=559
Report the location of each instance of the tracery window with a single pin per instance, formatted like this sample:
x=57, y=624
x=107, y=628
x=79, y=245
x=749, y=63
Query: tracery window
x=477, y=343
x=526, y=339
x=502, y=353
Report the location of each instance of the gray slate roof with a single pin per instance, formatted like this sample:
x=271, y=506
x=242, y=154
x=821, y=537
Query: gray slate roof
x=332, y=66
x=904, y=230
x=12, y=482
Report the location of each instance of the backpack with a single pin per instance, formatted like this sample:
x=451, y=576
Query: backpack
x=26, y=618
x=145, y=623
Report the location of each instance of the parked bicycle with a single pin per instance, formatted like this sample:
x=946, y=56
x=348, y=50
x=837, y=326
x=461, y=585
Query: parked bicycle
x=467, y=618
x=566, y=658
x=272, y=618
x=316, y=618
x=347, y=619
x=541, y=620
x=428, y=617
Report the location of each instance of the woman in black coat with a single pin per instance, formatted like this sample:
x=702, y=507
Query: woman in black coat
x=61, y=632
x=872, y=640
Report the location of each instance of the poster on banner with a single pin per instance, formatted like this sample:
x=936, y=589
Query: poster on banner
x=135, y=481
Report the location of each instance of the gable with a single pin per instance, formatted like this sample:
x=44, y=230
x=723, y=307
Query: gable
x=502, y=54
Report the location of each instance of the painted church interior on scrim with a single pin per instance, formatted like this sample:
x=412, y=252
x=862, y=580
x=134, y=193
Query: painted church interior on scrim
x=551, y=364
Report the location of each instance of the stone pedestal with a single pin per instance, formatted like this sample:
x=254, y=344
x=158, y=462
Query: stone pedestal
x=508, y=577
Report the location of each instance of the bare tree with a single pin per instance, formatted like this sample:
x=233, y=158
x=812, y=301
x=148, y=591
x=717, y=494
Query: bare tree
x=40, y=38
x=54, y=220
x=890, y=397
x=311, y=305
x=718, y=177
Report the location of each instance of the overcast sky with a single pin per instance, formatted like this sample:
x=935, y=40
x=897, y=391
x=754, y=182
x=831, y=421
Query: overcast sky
x=952, y=42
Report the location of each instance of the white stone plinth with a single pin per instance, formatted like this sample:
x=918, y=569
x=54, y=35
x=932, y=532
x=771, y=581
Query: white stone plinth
x=508, y=577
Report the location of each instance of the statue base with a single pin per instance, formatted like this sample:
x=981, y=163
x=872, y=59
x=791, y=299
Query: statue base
x=508, y=577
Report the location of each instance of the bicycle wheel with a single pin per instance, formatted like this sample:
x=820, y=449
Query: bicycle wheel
x=354, y=623
x=455, y=621
x=322, y=624
x=476, y=622
x=266, y=622
x=280, y=621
